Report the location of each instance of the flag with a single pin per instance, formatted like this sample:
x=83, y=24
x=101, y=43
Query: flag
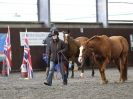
x=27, y=57
x=7, y=51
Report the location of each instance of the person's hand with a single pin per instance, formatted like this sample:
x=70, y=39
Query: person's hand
x=60, y=52
x=44, y=54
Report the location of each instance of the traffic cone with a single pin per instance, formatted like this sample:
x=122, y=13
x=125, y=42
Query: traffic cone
x=4, y=68
x=24, y=73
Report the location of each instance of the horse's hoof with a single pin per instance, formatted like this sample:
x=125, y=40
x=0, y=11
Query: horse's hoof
x=119, y=82
x=104, y=82
x=81, y=77
x=72, y=76
x=92, y=75
x=122, y=81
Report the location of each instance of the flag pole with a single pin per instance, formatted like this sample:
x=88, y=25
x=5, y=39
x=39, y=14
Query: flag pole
x=27, y=57
x=7, y=52
x=25, y=30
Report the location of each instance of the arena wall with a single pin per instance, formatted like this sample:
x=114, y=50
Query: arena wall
x=36, y=51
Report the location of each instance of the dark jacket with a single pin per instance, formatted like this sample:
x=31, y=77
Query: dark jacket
x=56, y=49
x=47, y=41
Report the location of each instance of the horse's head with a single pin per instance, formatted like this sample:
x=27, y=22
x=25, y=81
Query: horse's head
x=66, y=37
x=85, y=51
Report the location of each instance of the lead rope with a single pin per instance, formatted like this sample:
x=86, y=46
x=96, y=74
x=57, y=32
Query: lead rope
x=65, y=57
x=65, y=67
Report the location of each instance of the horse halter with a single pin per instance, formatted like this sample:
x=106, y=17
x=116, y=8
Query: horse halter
x=66, y=38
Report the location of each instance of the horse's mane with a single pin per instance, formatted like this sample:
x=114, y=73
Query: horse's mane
x=97, y=37
x=72, y=40
x=93, y=37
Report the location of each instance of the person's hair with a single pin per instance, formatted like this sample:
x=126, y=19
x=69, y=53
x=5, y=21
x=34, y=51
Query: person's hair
x=55, y=32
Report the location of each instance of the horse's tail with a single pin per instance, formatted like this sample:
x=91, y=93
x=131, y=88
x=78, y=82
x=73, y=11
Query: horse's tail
x=125, y=57
x=125, y=65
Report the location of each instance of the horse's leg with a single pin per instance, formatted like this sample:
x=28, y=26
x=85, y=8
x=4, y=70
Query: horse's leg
x=81, y=66
x=120, y=65
x=117, y=63
x=93, y=72
x=89, y=63
x=82, y=69
x=102, y=67
x=92, y=67
x=103, y=77
x=72, y=68
x=123, y=68
x=102, y=70
x=66, y=68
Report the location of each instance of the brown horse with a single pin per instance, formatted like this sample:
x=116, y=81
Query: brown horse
x=81, y=40
x=103, y=49
x=119, y=54
x=73, y=50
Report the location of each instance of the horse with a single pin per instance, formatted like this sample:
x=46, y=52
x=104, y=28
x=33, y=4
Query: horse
x=119, y=54
x=73, y=51
x=81, y=40
x=103, y=49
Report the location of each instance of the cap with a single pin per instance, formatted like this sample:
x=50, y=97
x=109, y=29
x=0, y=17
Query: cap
x=54, y=32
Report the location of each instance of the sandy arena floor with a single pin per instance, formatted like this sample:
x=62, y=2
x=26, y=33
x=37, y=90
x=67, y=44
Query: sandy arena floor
x=14, y=87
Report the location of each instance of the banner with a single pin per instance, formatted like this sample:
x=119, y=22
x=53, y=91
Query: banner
x=36, y=38
x=2, y=41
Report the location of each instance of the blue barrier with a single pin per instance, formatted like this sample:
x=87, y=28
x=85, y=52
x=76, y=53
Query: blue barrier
x=2, y=57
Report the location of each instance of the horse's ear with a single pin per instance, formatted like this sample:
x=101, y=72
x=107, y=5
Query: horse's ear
x=68, y=31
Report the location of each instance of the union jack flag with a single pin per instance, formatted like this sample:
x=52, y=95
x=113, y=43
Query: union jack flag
x=7, y=51
x=27, y=57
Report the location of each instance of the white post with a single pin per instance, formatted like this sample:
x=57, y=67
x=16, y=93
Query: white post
x=102, y=12
x=44, y=11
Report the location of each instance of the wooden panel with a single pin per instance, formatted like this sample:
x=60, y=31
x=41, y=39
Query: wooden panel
x=36, y=51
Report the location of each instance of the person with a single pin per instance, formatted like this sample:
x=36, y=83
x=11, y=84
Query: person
x=47, y=43
x=45, y=55
x=56, y=51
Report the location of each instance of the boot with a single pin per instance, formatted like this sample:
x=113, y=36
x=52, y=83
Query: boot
x=65, y=80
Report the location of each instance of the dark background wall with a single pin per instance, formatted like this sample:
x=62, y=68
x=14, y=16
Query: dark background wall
x=36, y=51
